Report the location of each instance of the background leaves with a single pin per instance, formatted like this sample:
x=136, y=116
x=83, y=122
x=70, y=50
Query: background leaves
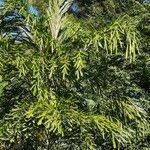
x=84, y=85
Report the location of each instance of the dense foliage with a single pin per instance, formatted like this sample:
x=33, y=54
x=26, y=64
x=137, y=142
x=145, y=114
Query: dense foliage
x=75, y=81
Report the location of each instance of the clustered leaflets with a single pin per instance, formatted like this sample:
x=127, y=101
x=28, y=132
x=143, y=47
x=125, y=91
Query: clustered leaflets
x=71, y=86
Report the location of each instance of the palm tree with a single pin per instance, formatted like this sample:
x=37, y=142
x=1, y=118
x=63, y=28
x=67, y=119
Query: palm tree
x=61, y=89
